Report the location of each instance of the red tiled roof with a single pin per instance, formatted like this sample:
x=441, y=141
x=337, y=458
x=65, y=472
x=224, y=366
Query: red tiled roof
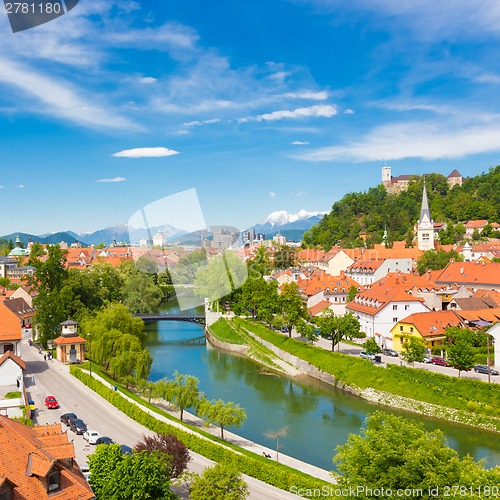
x=10, y=325
x=490, y=315
x=476, y=224
x=310, y=255
x=10, y=355
x=69, y=340
x=320, y=306
x=24, y=457
x=370, y=265
x=471, y=273
x=432, y=323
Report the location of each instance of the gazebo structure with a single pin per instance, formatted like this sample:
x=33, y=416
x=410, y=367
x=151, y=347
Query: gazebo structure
x=70, y=347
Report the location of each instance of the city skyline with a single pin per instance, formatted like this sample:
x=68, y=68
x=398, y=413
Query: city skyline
x=283, y=105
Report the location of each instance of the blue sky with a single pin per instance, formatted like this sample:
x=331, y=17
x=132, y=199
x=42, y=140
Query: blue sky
x=260, y=106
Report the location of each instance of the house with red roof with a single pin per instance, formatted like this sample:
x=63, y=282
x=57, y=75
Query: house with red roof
x=366, y=272
x=10, y=331
x=379, y=308
x=426, y=326
x=70, y=347
x=39, y=462
x=335, y=261
x=474, y=275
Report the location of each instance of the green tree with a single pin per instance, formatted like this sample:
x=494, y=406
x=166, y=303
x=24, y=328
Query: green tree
x=436, y=259
x=395, y=453
x=140, y=293
x=140, y=475
x=223, y=414
x=284, y=257
x=460, y=349
x=220, y=482
x=182, y=392
x=223, y=274
x=336, y=328
x=371, y=346
x=281, y=433
x=307, y=331
x=291, y=306
x=413, y=349
x=352, y=293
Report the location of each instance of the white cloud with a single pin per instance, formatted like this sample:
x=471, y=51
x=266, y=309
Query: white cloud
x=20, y=186
x=318, y=111
x=58, y=98
x=307, y=94
x=429, y=141
x=145, y=153
x=300, y=194
x=272, y=194
x=349, y=111
x=197, y=123
x=148, y=80
x=300, y=143
x=114, y=179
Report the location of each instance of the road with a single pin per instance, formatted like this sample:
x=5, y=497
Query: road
x=50, y=377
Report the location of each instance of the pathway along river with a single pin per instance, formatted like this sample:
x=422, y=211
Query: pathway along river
x=319, y=417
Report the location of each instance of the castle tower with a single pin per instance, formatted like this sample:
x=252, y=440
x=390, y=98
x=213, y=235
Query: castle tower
x=386, y=176
x=425, y=226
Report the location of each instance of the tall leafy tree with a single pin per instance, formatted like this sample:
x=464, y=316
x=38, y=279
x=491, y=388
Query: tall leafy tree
x=182, y=392
x=413, y=349
x=337, y=328
x=291, y=307
x=220, y=482
x=222, y=414
x=398, y=454
x=460, y=348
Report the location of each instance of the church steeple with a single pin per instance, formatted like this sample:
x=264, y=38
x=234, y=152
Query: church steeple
x=425, y=213
x=425, y=227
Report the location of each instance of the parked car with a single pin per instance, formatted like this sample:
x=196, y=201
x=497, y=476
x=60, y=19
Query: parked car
x=367, y=355
x=484, y=369
x=104, y=440
x=390, y=352
x=91, y=436
x=439, y=361
x=51, y=402
x=67, y=417
x=78, y=426
x=126, y=450
x=427, y=359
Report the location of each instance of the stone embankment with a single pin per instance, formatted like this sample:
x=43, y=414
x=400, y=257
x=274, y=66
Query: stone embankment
x=375, y=396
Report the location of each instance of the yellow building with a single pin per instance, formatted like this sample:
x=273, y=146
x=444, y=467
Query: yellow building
x=426, y=326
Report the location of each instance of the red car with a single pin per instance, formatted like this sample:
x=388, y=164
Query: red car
x=51, y=402
x=439, y=361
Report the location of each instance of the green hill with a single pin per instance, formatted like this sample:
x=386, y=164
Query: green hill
x=373, y=210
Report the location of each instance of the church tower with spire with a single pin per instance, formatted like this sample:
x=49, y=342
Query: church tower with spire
x=425, y=226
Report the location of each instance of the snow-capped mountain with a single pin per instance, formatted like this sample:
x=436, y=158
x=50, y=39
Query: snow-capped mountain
x=282, y=217
x=290, y=225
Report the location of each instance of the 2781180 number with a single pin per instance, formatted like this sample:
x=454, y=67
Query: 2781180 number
x=33, y=8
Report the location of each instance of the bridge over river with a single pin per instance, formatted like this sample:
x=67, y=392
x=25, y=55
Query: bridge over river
x=193, y=318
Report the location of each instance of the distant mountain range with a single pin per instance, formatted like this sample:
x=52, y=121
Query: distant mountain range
x=292, y=226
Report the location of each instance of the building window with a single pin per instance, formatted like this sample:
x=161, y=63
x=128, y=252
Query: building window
x=8, y=347
x=411, y=329
x=395, y=320
x=425, y=236
x=407, y=307
x=394, y=307
x=54, y=480
x=400, y=328
x=6, y=492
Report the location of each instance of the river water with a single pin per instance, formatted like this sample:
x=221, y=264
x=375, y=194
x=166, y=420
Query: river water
x=318, y=416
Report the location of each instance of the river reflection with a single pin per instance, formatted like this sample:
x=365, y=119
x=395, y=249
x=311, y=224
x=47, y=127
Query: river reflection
x=319, y=417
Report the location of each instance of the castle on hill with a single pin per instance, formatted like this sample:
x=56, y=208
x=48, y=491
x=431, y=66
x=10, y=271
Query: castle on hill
x=400, y=183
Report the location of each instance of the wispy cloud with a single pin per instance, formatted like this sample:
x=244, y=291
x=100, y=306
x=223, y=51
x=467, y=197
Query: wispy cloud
x=272, y=194
x=59, y=99
x=306, y=94
x=148, y=80
x=145, y=153
x=20, y=186
x=426, y=140
x=319, y=111
x=349, y=111
x=114, y=179
x=198, y=123
x=300, y=143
